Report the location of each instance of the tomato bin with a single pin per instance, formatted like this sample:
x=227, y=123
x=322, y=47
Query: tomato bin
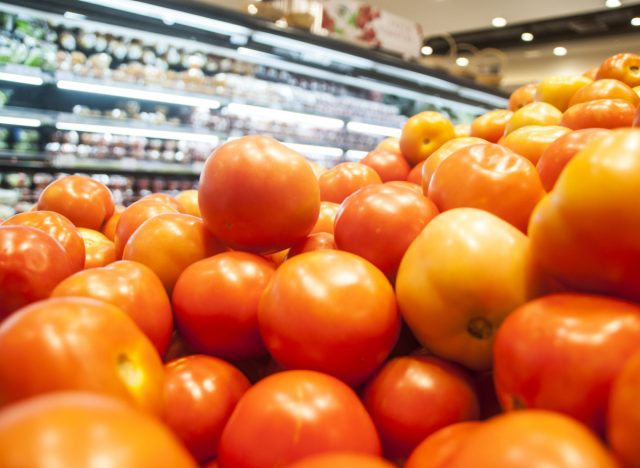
x=453, y=300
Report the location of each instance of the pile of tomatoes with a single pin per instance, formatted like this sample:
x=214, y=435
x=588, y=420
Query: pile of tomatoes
x=465, y=296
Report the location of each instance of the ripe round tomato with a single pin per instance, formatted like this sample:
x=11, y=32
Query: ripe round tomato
x=188, y=200
x=380, y=221
x=391, y=144
x=415, y=174
x=452, y=316
x=58, y=227
x=522, y=96
x=164, y=198
x=490, y=126
x=78, y=344
x=318, y=241
x=623, y=67
x=591, y=73
x=215, y=302
x=84, y=201
x=98, y=250
x=200, y=392
x=132, y=287
x=411, y=397
x=330, y=311
x=553, y=160
x=558, y=90
x=436, y=450
x=424, y=133
x=432, y=162
x=342, y=180
x=388, y=165
x=109, y=227
x=532, y=438
x=342, y=459
x=32, y=263
x=74, y=429
x=294, y=414
x=531, y=141
x=536, y=113
x=462, y=130
x=169, y=243
x=601, y=113
x=541, y=348
x=495, y=179
x=257, y=194
x=584, y=232
x=605, y=89
x=133, y=217
x=326, y=218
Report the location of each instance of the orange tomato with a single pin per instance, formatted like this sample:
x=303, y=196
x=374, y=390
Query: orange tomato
x=432, y=162
x=462, y=130
x=326, y=217
x=188, y=200
x=491, y=126
x=623, y=423
x=342, y=459
x=605, y=89
x=536, y=113
x=318, y=169
x=317, y=241
x=164, y=198
x=84, y=201
x=558, y=90
x=109, y=227
x=623, y=67
x=415, y=175
x=522, y=96
x=424, y=133
x=99, y=251
x=391, y=144
x=601, y=113
x=389, y=165
x=591, y=73
x=531, y=141
x=440, y=447
x=342, y=180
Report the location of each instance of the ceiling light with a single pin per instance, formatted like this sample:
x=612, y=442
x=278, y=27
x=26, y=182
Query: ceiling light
x=462, y=61
x=252, y=9
x=559, y=51
x=635, y=21
x=498, y=22
x=426, y=50
x=613, y=3
x=526, y=37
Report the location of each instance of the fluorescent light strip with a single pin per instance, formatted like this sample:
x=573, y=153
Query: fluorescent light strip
x=285, y=116
x=142, y=132
x=419, y=78
x=371, y=129
x=484, y=97
x=19, y=121
x=315, y=150
x=355, y=155
x=138, y=94
x=23, y=79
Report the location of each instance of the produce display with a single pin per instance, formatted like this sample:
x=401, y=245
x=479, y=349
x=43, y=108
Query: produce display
x=460, y=297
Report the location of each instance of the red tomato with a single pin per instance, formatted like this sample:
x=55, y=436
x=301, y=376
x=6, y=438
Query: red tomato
x=442, y=153
x=76, y=429
x=32, y=263
x=215, y=302
x=342, y=180
x=58, y=227
x=522, y=96
x=490, y=126
x=541, y=348
x=256, y=194
x=380, y=221
x=495, y=179
x=78, y=344
x=389, y=165
x=109, y=227
x=164, y=198
x=169, y=243
x=440, y=447
x=326, y=218
x=531, y=141
x=188, y=200
x=318, y=241
x=561, y=151
x=98, y=250
x=412, y=397
x=200, y=392
x=294, y=414
x=342, y=459
x=415, y=175
x=84, y=201
x=623, y=67
x=636, y=120
x=605, y=89
x=601, y=113
x=132, y=287
x=330, y=311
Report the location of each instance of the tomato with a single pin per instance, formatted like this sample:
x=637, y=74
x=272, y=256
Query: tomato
x=58, y=227
x=388, y=165
x=495, y=179
x=164, y=198
x=318, y=169
x=330, y=311
x=601, y=113
x=200, y=392
x=257, y=194
x=84, y=201
x=391, y=144
x=522, y=96
x=541, y=348
x=424, y=133
x=442, y=153
x=531, y=141
x=406, y=185
x=169, y=243
x=342, y=180
x=132, y=287
x=32, y=263
x=558, y=90
x=412, y=397
x=74, y=429
x=317, y=241
x=415, y=174
x=462, y=130
x=380, y=221
x=591, y=73
x=326, y=218
x=78, y=344
x=277, y=257
x=342, y=459
x=556, y=156
x=452, y=316
x=584, y=232
x=605, y=89
x=532, y=438
x=491, y=126
x=636, y=120
x=536, y=113
x=133, y=217
x=294, y=414
x=623, y=67
x=436, y=450
x=109, y=227
x=188, y=200
x=215, y=302
x=99, y=251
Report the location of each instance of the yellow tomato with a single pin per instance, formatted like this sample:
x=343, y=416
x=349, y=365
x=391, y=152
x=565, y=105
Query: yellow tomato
x=531, y=141
x=558, y=90
x=424, y=133
x=536, y=113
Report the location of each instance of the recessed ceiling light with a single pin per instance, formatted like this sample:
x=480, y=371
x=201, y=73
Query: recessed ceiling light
x=426, y=50
x=559, y=51
x=462, y=61
x=635, y=21
x=252, y=9
x=613, y=3
x=526, y=37
x=498, y=22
